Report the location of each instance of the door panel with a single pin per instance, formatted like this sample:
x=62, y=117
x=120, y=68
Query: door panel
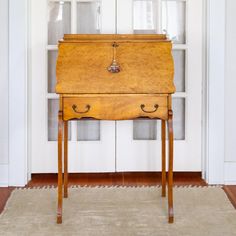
x=91, y=143
x=88, y=17
x=139, y=142
x=145, y=16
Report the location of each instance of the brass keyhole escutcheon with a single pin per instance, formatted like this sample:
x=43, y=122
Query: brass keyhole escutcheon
x=114, y=67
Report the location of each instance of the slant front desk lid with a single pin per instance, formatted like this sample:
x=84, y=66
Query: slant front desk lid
x=114, y=63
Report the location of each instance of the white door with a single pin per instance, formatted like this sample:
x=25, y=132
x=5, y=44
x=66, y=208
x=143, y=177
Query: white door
x=123, y=145
x=139, y=142
x=91, y=143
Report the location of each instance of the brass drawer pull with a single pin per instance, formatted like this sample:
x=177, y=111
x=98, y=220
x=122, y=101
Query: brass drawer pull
x=142, y=106
x=74, y=107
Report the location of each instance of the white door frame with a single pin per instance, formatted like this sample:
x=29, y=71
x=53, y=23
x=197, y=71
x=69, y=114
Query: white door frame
x=213, y=120
x=4, y=93
x=213, y=93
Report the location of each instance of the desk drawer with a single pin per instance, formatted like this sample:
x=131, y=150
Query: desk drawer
x=115, y=107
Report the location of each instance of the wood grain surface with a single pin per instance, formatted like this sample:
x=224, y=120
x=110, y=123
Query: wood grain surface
x=145, y=66
x=108, y=37
x=112, y=107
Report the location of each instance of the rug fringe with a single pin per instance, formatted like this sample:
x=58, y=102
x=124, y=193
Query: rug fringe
x=119, y=186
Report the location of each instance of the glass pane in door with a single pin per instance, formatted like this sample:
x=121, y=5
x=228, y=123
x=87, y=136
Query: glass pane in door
x=88, y=17
x=144, y=130
x=179, y=118
x=52, y=59
x=173, y=20
x=144, y=16
x=88, y=130
x=179, y=61
x=59, y=21
x=53, y=107
x=178, y=106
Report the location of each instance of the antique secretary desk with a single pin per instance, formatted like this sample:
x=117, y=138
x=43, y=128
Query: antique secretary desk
x=115, y=77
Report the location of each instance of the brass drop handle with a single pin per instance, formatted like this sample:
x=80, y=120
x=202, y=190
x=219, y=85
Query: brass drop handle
x=142, y=106
x=114, y=67
x=74, y=107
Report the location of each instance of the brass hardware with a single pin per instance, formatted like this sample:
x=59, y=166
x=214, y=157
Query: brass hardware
x=74, y=107
x=142, y=106
x=114, y=67
x=115, y=45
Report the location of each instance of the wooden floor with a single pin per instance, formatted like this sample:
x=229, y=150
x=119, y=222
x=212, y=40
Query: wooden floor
x=121, y=179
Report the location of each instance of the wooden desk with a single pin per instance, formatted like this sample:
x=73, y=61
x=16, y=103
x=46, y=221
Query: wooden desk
x=115, y=77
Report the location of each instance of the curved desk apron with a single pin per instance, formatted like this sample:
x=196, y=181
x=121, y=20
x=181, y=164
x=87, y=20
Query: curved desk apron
x=115, y=77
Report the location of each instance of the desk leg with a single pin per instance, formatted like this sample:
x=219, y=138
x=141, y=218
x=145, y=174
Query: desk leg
x=170, y=169
x=163, y=150
x=59, y=187
x=65, y=159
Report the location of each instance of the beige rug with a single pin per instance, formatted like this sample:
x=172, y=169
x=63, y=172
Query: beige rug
x=119, y=211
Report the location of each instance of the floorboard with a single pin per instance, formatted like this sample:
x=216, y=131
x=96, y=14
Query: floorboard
x=122, y=178
x=230, y=190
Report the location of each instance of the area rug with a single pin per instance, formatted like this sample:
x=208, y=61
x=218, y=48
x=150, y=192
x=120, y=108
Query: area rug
x=112, y=211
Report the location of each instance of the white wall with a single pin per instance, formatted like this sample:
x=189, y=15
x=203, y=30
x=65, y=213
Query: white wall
x=215, y=73
x=13, y=92
x=230, y=92
x=4, y=93
x=18, y=65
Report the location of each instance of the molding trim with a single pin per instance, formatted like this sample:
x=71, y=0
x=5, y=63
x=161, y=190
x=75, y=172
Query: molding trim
x=4, y=134
x=215, y=91
x=204, y=91
x=230, y=173
x=3, y=175
x=18, y=39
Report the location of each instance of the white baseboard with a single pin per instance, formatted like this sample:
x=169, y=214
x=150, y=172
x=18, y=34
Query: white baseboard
x=230, y=173
x=3, y=175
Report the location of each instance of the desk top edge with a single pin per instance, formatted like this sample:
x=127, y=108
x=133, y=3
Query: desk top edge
x=114, y=37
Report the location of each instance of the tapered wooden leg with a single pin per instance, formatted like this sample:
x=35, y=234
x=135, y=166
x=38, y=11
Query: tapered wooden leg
x=65, y=159
x=60, y=130
x=170, y=168
x=163, y=149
